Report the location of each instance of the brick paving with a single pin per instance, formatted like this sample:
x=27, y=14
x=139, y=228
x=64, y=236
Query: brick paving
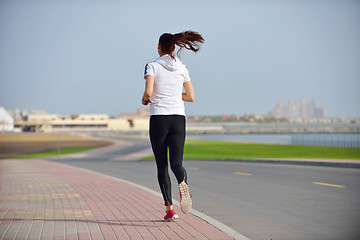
x=45, y=200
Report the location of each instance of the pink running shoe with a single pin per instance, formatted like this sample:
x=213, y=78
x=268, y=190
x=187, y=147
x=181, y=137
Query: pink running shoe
x=185, y=197
x=171, y=216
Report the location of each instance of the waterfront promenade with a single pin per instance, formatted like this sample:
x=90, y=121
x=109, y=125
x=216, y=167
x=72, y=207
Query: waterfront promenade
x=84, y=196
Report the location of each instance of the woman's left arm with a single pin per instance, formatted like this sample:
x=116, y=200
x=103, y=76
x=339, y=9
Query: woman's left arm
x=149, y=86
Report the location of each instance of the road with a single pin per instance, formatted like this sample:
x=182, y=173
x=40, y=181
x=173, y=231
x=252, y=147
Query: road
x=260, y=201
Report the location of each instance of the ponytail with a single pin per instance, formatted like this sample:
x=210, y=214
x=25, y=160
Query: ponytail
x=188, y=39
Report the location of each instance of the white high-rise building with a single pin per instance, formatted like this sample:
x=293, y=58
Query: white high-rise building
x=301, y=109
x=6, y=121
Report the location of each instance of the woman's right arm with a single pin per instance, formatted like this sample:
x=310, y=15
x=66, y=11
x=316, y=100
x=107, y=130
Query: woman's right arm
x=189, y=95
x=149, y=86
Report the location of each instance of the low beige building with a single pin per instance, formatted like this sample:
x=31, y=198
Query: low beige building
x=128, y=124
x=83, y=122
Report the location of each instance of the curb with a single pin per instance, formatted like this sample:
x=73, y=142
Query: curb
x=304, y=162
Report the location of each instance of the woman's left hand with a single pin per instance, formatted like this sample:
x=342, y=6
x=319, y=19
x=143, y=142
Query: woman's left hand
x=143, y=102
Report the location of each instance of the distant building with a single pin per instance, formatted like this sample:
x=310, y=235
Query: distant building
x=83, y=122
x=299, y=110
x=50, y=122
x=6, y=121
x=138, y=113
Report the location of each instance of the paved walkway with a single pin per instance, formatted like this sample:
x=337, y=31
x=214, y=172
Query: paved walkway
x=45, y=200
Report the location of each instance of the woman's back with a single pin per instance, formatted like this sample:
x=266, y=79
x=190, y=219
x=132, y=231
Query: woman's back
x=169, y=76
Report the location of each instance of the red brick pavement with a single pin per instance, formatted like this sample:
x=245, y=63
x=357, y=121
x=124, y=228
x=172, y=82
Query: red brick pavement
x=46, y=200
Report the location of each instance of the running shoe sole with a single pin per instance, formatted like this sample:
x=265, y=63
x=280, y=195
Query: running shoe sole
x=185, y=198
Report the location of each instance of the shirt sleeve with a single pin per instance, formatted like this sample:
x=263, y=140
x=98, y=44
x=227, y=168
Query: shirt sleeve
x=149, y=70
x=186, y=76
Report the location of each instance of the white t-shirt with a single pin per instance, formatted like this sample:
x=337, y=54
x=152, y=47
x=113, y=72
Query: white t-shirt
x=169, y=75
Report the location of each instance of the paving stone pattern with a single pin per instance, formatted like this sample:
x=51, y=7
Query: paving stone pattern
x=45, y=200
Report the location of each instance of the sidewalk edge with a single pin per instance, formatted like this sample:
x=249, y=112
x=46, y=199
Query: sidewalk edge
x=288, y=161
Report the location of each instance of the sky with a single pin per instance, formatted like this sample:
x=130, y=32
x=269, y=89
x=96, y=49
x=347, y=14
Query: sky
x=88, y=57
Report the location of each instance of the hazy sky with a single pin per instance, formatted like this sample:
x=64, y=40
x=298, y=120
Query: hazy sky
x=86, y=56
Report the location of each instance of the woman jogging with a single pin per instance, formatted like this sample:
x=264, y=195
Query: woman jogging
x=165, y=79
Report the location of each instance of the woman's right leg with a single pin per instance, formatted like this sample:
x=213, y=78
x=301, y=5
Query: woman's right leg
x=158, y=137
x=176, y=140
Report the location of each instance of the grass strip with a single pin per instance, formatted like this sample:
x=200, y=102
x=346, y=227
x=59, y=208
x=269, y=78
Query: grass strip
x=53, y=153
x=233, y=150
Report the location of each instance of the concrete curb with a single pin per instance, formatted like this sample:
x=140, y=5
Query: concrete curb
x=305, y=162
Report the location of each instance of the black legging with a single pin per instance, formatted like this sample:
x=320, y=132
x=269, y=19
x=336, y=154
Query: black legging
x=168, y=131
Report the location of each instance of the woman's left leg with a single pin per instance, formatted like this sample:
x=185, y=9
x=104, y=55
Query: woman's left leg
x=158, y=137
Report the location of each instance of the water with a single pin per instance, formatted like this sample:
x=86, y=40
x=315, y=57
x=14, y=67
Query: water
x=333, y=140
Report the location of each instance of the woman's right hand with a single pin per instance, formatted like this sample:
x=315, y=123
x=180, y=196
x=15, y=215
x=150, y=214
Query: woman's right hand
x=189, y=95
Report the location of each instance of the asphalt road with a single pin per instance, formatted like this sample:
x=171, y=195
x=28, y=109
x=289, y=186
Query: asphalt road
x=260, y=201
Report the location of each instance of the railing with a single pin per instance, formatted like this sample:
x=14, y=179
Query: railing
x=331, y=140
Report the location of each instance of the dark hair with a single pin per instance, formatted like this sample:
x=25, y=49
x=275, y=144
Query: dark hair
x=188, y=39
